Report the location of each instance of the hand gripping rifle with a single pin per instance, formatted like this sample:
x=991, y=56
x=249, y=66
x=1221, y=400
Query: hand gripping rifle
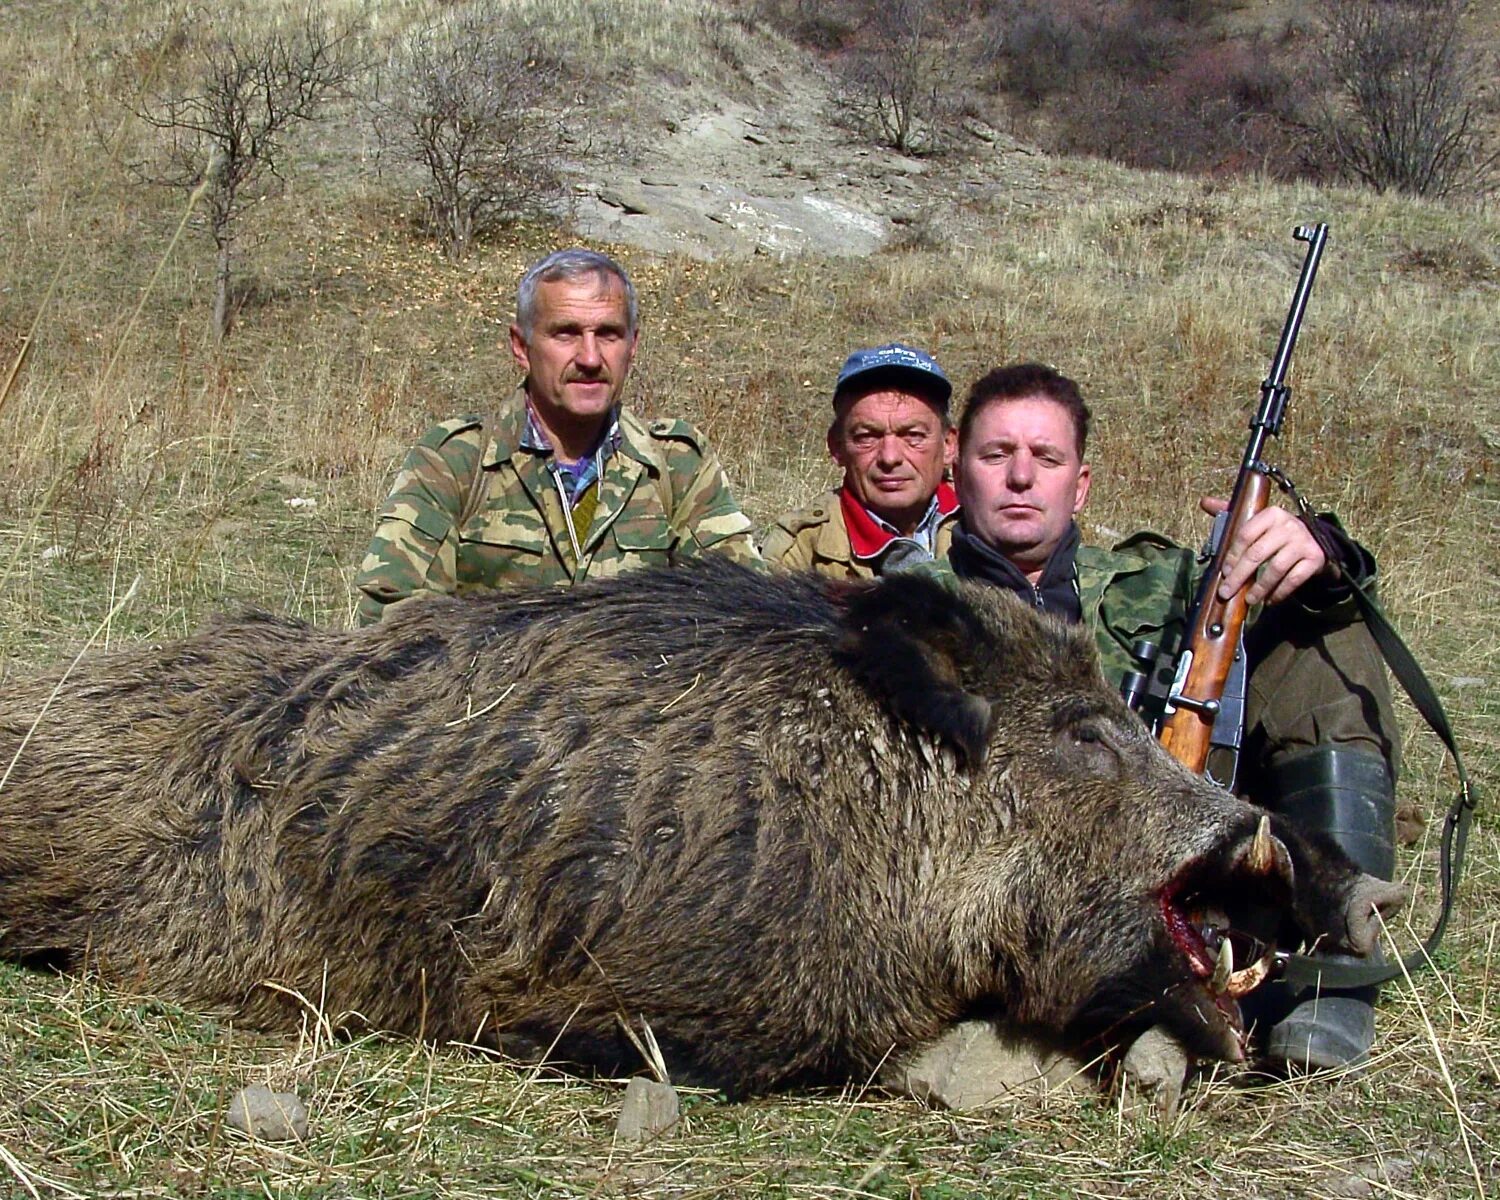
x=1203, y=709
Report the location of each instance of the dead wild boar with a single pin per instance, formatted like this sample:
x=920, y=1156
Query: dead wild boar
x=797, y=826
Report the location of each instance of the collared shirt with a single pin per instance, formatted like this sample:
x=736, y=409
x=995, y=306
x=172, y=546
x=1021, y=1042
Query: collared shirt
x=472, y=509
x=818, y=538
x=880, y=545
x=573, y=478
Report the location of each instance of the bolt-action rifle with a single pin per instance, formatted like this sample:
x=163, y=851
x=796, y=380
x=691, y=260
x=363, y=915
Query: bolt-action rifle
x=1203, y=709
x=1214, y=645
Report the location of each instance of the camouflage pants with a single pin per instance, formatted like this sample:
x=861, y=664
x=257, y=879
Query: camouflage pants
x=1313, y=685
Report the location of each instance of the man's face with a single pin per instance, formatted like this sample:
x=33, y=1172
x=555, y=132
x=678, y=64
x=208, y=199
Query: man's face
x=579, y=350
x=894, y=449
x=1020, y=479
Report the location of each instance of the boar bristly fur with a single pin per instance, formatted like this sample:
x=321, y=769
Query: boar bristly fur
x=795, y=826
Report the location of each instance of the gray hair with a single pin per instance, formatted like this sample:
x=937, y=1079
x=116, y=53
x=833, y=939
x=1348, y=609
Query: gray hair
x=570, y=264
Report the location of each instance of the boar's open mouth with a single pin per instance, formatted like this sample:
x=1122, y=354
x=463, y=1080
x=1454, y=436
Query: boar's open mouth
x=1222, y=914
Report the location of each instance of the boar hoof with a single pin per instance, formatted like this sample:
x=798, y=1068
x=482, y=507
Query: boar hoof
x=1155, y=1067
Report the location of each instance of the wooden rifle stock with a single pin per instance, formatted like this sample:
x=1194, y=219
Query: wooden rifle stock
x=1213, y=641
x=1213, y=634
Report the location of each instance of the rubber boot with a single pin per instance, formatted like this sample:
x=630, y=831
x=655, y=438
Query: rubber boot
x=1349, y=795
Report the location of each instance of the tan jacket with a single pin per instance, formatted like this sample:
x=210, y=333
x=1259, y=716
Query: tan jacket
x=815, y=539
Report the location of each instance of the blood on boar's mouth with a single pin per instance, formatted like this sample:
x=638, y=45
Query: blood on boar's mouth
x=1221, y=913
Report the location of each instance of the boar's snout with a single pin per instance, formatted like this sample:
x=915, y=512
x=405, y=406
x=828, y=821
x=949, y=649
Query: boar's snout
x=1217, y=912
x=1370, y=904
x=1216, y=924
x=1221, y=916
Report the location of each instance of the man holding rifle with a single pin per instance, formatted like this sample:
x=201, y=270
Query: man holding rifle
x=1320, y=735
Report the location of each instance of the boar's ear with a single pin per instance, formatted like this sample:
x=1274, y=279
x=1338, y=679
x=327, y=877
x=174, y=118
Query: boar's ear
x=906, y=639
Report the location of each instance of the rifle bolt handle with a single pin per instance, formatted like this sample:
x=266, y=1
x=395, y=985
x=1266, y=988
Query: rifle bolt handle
x=1209, y=708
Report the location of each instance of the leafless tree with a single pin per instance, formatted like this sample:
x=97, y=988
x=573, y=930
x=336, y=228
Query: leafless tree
x=1404, y=113
x=226, y=106
x=473, y=101
x=1037, y=48
x=891, y=86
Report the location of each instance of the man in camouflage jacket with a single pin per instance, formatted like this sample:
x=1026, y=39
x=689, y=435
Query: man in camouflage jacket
x=560, y=484
x=1320, y=731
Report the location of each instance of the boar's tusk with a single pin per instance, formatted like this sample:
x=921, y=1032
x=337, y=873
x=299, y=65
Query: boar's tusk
x=1262, y=857
x=1266, y=855
x=1222, y=969
x=1242, y=983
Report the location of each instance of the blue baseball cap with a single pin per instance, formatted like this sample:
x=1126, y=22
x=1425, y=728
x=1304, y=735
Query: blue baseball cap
x=902, y=364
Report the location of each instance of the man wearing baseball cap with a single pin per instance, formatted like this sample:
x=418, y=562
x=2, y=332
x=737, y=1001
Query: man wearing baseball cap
x=892, y=437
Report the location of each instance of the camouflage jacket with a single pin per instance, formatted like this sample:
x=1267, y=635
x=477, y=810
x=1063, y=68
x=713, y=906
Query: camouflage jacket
x=816, y=538
x=662, y=498
x=1144, y=587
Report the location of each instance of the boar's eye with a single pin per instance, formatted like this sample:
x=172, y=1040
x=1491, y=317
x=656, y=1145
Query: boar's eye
x=1084, y=746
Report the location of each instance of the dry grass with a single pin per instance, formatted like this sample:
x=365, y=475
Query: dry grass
x=137, y=449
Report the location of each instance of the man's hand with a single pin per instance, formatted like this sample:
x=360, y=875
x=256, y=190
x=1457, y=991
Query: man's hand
x=1273, y=552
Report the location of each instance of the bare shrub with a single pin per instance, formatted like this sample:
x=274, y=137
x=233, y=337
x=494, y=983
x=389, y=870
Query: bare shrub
x=1143, y=86
x=1184, y=122
x=1404, y=111
x=225, y=106
x=1050, y=50
x=890, y=87
x=1194, y=12
x=475, y=102
x=817, y=24
x=1138, y=44
x=1040, y=48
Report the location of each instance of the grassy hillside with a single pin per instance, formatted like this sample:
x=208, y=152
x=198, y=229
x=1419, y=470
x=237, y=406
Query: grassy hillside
x=135, y=447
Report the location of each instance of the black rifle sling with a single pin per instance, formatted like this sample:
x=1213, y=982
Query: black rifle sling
x=1306, y=971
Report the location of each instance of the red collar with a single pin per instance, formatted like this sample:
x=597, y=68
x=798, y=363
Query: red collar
x=868, y=534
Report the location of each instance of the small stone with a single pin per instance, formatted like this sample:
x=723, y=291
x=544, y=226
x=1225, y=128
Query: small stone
x=1374, y=1176
x=267, y=1115
x=979, y=129
x=1348, y=1187
x=973, y=1066
x=1411, y=823
x=648, y=1110
x=632, y=205
x=1156, y=1067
